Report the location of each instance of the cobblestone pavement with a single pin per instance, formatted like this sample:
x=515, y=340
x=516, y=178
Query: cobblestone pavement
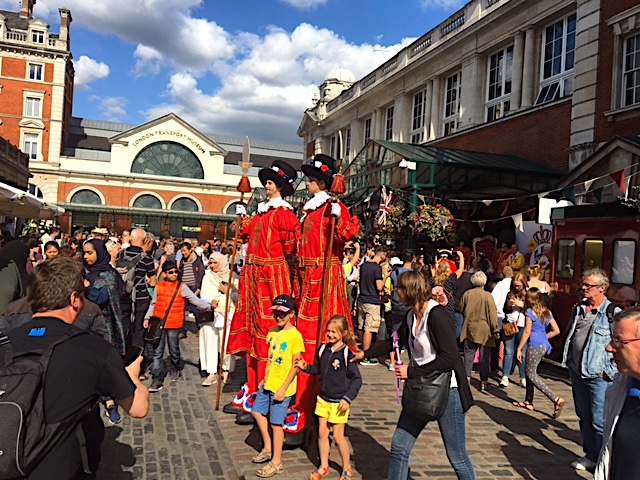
x=183, y=437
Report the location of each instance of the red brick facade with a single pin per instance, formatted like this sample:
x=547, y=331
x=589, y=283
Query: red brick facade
x=513, y=135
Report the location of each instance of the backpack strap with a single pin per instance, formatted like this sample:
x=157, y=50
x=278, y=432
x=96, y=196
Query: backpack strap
x=345, y=351
x=173, y=299
x=611, y=312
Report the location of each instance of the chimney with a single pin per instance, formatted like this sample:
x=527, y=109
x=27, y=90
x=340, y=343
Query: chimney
x=65, y=22
x=26, y=10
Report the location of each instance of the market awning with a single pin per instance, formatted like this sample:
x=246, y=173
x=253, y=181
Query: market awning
x=18, y=203
x=149, y=212
x=449, y=173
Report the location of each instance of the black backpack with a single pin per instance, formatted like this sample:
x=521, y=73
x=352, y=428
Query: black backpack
x=126, y=267
x=25, y=436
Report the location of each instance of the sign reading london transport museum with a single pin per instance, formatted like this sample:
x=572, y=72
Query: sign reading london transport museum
x=158, y=134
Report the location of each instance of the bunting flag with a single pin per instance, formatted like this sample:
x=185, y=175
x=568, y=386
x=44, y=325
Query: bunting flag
x=543, y=194
x=443, y=220
x=385, y=206
x=458, y=204
x=481, y=224
x=517, y=221
x=421, y=197
x=569, y=193
x=618, y=177
x=587, y=184
x=533, y=212
x=473, y=210
x=579, y=200
x=598, y=192
x=487, y=202
x=505, y=207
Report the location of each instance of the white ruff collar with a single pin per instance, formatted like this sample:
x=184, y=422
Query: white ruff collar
x=317, y=201
x=273, y=203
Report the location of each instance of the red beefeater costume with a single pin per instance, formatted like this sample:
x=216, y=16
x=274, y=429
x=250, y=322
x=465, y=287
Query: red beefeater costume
x=272, y=235
x=311, y=277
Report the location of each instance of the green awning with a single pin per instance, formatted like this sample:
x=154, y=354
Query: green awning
x=149, y=212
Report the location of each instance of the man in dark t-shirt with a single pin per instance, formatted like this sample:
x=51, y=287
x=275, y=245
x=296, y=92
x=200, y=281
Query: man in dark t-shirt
x=371, y=284
x=80, y=370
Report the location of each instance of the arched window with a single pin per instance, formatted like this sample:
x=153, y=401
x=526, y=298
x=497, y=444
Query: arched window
x=168, y=159
x=185, y=204
x=86, y=197
x=148, y=201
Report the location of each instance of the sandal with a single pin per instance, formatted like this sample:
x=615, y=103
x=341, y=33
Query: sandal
x=263, y=456
x=557, y=410
x=270, y=470
x=347, y=474
x=319, y=473
x=527, y=405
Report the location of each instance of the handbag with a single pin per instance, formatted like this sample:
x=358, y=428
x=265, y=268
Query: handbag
x=156, y=324
x=426, y=396
x=510, y=328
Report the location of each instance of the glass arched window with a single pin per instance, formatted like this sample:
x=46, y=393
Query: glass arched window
x=168, y=159
x=185, y=204
x=86, y=197
x=148, y=201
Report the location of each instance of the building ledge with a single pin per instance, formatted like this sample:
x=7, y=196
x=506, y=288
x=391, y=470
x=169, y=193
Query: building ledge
x=623, y=113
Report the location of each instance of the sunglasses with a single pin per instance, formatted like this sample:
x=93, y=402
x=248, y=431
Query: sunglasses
x=588, y=285
x=171, y=272
x=279, y=314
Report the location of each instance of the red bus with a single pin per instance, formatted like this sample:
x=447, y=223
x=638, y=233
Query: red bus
x=588, y=236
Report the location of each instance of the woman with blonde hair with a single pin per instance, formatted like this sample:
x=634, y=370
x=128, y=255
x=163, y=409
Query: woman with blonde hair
x=214, y=288
x=514, y=313
x=533, y=272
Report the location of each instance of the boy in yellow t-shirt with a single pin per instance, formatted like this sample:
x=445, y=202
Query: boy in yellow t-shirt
x=279, y=385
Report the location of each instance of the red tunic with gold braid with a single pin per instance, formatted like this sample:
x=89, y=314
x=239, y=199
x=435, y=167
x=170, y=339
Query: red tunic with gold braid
x=272, y=235
x=312, y=283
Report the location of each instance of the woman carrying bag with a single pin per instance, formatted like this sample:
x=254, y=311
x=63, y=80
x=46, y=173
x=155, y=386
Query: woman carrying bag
x=430, y=335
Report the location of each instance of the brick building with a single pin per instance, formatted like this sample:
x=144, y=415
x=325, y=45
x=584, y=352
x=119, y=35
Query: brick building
x=164, y=175
x=544, y=81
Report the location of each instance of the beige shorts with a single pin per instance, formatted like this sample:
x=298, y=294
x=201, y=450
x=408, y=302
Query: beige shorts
x=369, y=317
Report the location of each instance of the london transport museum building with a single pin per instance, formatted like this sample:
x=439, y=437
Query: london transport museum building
x=503, y=102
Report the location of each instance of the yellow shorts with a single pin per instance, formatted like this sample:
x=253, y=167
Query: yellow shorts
x=330, y=411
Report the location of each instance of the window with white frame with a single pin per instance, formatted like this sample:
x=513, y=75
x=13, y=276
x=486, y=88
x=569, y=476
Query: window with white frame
x=452, y=104
x=37, y=36
x=332, y=147
x=388, y=124
x=499, y=84
x=30, y=146
x=367, y=130
x=35, y=71
x=347, y=143
x=558, y=58
x=418, y=131
x=33, y=107
x=631, y=72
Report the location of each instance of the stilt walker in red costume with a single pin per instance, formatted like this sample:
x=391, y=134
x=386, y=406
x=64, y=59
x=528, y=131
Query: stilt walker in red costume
x=318, y=251
x=272, y=235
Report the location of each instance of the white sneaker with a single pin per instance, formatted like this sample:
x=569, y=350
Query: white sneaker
x=523, y=382
x=504, y=382
x=583, y=464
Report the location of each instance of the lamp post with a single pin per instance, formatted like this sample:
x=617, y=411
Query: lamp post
x=411, y=168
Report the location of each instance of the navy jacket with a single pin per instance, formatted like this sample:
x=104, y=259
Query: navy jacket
x=337, y=380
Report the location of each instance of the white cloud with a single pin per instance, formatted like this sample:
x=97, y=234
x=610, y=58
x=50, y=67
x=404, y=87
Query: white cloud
x=149, y=61
x=436, y=4
x=166, y=26
x=304, y=4
x=265, y=92
x=88, y=71
x=111, y=108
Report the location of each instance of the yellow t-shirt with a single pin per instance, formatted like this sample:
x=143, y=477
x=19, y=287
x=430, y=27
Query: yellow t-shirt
x=283, y=345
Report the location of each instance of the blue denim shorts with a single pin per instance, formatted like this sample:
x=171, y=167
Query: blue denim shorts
x=265, y=404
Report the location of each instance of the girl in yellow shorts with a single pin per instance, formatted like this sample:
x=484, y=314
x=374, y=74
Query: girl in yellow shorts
x=340, y=382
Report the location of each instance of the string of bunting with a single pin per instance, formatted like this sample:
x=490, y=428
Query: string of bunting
x=620, y=178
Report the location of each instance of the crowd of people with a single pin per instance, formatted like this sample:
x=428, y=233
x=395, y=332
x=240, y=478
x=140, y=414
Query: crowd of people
x=306, y=299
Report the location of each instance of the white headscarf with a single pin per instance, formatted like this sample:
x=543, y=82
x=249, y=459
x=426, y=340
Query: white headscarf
x=222, y=275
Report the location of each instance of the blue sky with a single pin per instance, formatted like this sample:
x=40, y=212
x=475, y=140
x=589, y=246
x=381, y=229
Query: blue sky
x=243, y=67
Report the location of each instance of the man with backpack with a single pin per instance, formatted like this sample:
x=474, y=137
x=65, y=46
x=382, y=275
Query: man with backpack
x=55, y=379
x=138, y=272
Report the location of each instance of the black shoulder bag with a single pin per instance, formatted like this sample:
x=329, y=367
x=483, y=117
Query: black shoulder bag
x=426, y=396
x=156, y=324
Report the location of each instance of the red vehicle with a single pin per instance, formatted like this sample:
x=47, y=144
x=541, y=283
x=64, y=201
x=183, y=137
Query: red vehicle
x=588, y=236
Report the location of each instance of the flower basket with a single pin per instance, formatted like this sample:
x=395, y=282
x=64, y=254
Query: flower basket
x=397, y=223
x=432, y=221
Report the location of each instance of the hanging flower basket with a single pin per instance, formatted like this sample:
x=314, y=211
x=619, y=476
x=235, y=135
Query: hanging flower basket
x=432, y=221
x=397, y=224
